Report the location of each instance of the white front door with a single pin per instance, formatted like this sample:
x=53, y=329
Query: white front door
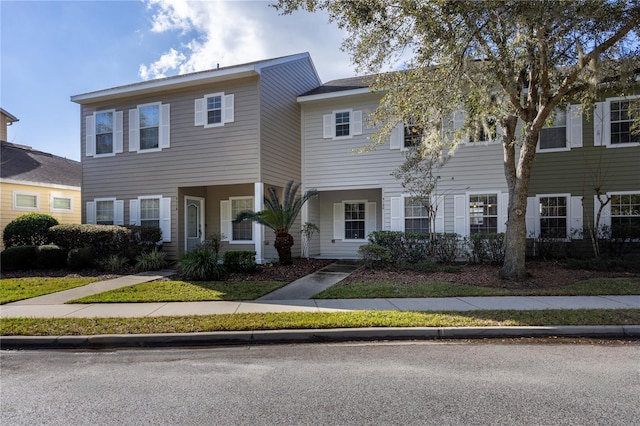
x=193, y=221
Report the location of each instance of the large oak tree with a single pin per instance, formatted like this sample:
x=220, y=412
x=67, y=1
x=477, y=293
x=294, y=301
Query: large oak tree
x=507, y=64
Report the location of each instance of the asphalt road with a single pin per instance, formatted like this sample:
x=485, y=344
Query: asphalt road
x=339, y=384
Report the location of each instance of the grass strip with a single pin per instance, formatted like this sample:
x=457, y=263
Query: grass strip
x=306, y=320
x=184, y=291
x=13, y=289
x=387, y=289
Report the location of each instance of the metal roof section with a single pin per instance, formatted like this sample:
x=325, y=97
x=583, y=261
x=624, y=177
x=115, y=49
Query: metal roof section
x=185, y=80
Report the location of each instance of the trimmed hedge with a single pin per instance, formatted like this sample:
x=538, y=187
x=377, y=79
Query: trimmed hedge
x=28, y=229
x=50, y=257
x=240, y=260
x=18, y=258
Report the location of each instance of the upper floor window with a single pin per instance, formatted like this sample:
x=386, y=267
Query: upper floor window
x=613, y=122
x=564, y=132
x=149, y=127
x=104, y=133
x=342, y=124
x=483, y=213
x=412, y=135
x=26, y=200
x=214, y=110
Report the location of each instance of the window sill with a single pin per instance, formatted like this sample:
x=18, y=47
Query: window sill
x=622, y=145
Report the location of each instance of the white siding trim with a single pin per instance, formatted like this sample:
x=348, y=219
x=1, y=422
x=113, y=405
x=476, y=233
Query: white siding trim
x=228, y=115
x=225, y=220
x=397, y=214
x=91, y=212
x=118, y=212
x=460, y=210
x=164, y=137
x=503, y=211
x=531, y=217
x=439, y=225
x=600, y=118
x=198, y=113
x=397, y=137
x=338, y=221
x=36, y=195
x=165, y=218
x=574, y=126
x=117, y=132
x=90, y=137
x=356, y=123
x=327, y=126
x=370, y=219
x=133, y=212
x=576, y=214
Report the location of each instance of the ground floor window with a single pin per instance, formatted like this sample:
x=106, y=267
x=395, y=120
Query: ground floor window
x=242, y=231
x=553, y=217
x=150, y=212
x=60, y=204
x=625, y=215
x=25, y=201
x=416, y=218
x=354, y=221
x=105, y=212
x=483, y=213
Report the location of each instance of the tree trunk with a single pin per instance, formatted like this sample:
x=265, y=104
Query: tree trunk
x=283, y=244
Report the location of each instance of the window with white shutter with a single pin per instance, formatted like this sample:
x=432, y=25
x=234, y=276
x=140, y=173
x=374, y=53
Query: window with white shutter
x=342, y=124
x=214, y=110
x=103, y=133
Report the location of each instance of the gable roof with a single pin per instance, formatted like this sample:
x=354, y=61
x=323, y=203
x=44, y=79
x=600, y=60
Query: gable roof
x=22, y=163
x=10, y=117
x=191, y=79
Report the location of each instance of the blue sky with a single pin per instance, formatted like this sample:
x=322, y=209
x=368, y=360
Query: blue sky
x=51, y=50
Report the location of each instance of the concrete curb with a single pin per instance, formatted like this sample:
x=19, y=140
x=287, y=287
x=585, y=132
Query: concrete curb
x=112, y=341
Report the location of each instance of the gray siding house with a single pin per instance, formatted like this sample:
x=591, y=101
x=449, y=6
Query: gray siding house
x=187, y=153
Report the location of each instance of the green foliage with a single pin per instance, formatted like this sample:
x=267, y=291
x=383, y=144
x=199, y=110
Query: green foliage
x=213, y=243
x=240, y=260
x=28, y=229
x=424, y=266
x=114, y=264
x=143, y=239
x=448, y=248
x=402, y=246
x=104, y=240
x=375, y=255
x=50, y=257
x=486, y=248
x=18, y=258
x=151, y=261
x=280, y=216
x=79, y=258
x=201, y=264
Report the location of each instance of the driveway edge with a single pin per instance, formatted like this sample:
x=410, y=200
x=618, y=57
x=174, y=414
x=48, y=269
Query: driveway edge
x=112, y=341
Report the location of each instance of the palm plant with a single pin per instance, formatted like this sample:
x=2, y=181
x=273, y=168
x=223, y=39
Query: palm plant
x=280, y=216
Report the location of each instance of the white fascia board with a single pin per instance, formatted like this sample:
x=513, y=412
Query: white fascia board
x=160, y=85
x=333, y=95
x=40, y=184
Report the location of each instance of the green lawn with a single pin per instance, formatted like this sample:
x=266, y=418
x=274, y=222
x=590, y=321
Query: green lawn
x=306, y=320
x=387, y=289
x=12, y=289
x=184, y=291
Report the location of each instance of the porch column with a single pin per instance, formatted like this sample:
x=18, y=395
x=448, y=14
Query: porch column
x=258, y=230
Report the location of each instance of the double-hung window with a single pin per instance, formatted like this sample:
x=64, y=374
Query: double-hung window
x=26, y=200
x=105, y=212
x=625, y=215
x=416, y=218
x=214, y=110
x=564, y=132
x=342, y=124
x=354, y=221
x=613, y=122
x=152, y=211
x=553, y=216
x=412, y=135
x=241, y=232
x=483, y=213
x=149, y=127
x=104, y=133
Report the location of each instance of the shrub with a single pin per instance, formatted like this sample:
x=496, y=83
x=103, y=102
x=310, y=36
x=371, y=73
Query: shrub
x=18, y=258
x=28, y=229
x=151, y=261
x=201, y=264
x=143, y=239
x=79, y=258
x=447, y=248
x=424, y=266
x=50, y=257
x=105, y=240
x=213, y=243
x=391, y=240
x=375, y=255
x=113, y=263
x=240, y=260
x=415, y=247
x=486, y=248
x=403, y=247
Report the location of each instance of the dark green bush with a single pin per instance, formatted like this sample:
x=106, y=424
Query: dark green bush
x=486, y=248
x=391, y=240
x=114, y=264
x=104, y=240
x=240, y=260
x=50, y=256
x=447, y=248
x=143, y=239
x=375, y=255
x=201, y=264
x=403, y=247
x=28, y=229
x=18, y=258
x=415, y=247
x=79, y=258
x=151, y=261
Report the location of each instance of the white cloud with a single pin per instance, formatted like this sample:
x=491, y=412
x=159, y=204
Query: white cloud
x=234, y=32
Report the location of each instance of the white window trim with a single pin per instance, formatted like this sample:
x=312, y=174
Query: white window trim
x=574, y=216
x=573, y=131
x=90, y=134
x=118, y=210
x=53, y=195
x=164, y=128
x=462, y=219
x=397, y=216
x=369, y=227
x=602, y=123
x=27, y=193
x=165, y=213
x=605, y=219
x=229, y=226
x=227, y=110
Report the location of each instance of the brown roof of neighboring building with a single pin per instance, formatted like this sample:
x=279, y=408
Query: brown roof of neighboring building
x=19, y=162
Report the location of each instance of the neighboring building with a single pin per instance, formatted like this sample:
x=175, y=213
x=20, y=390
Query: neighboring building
x=6, y=120
x=35, y=181
x=187, y=153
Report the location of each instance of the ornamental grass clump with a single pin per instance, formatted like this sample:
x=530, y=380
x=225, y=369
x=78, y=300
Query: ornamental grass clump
x=201, y=264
